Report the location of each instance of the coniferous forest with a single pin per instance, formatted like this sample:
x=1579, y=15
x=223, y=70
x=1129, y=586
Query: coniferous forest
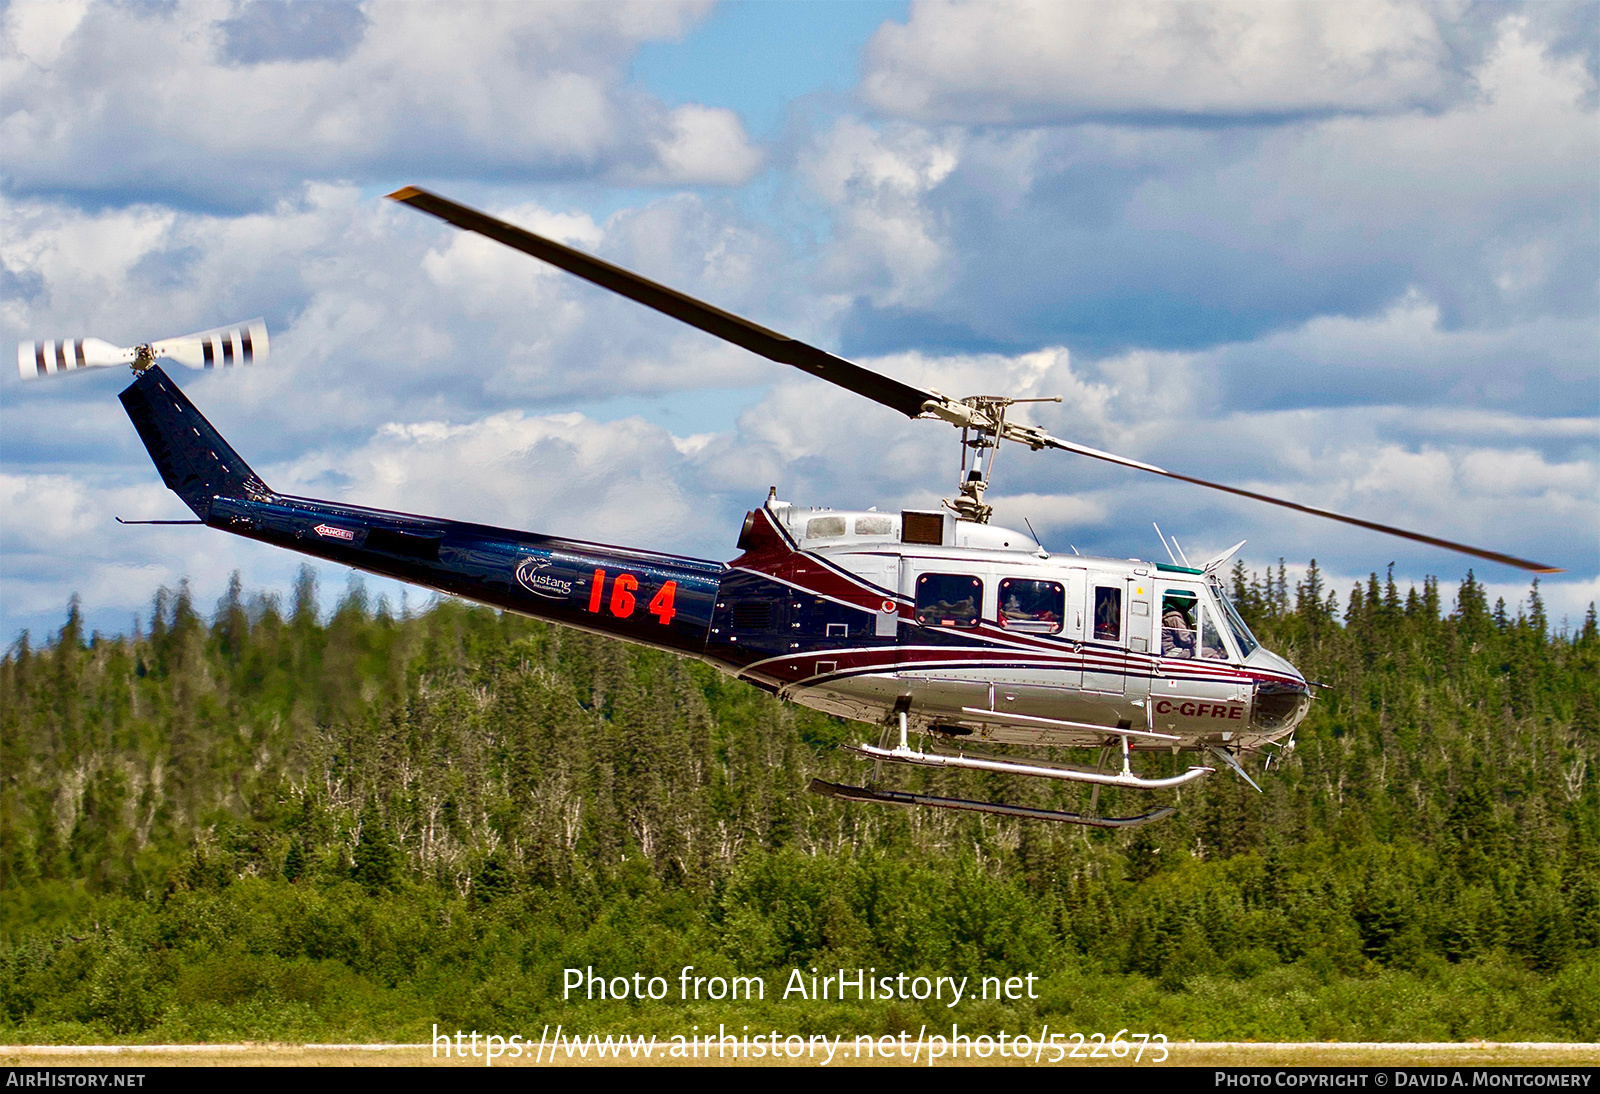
x=246, y=821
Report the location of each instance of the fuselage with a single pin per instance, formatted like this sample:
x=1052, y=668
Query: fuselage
x=975, y=632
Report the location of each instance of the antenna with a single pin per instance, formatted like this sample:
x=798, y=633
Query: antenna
x=1163, y=539
x=1034, y=534
x=1181, y=555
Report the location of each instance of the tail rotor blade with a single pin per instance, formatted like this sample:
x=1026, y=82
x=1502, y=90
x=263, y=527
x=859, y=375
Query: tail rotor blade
x=222, y=347
x=39, y=359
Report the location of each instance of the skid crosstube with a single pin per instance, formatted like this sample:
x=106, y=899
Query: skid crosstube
x=901, y=797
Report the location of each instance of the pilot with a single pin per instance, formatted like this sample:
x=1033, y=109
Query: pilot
x=1177, y=636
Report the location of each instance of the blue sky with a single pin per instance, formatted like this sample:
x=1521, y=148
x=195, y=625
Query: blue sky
x=764, y=59
x=1345, y=254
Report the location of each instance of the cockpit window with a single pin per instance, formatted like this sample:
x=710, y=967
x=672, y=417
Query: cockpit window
x=1241, y=634
x=1211, y=643
x=1189, y=627
x=874, y=526
x=824, y=527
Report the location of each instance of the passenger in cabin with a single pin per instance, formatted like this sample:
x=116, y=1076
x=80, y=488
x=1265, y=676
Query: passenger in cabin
x=1108, y=614
x=949, y=600
x=1032, y=606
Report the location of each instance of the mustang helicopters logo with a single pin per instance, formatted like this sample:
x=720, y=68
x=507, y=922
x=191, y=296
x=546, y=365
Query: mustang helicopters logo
x=532, y=575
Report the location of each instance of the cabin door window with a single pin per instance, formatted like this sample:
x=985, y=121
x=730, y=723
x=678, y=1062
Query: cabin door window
x=1034, y=607
x=949, y=600
x=1107, y=613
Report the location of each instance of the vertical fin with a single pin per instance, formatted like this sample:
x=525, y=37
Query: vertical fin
x=194, y=461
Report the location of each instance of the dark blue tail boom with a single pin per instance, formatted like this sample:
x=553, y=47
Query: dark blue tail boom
x=641, y=596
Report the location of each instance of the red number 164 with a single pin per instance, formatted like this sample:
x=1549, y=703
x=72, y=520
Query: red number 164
x=622, y=601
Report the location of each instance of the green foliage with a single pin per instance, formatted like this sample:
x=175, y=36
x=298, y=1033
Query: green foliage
x=377, y=864
x=276, y=826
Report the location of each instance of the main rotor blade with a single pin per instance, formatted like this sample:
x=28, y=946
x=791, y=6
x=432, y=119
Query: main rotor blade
x=911, y=401
x=908, y=400
x=1039, y=439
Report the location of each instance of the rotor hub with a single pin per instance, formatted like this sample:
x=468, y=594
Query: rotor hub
x=983, y=425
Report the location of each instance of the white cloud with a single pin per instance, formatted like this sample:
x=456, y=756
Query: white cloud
x=1036, y=61
x=1569, y=487
x=889, y=246
x=1106, y=235
x=1406, y=352
x=1527, y=127
x=1494, y=197
x=44, y=511
x=432, y=89
x=1054, y=510
x=58, y=536
x=37, y=32
x=703, y=145
x=564, y=474
x=1449, y=421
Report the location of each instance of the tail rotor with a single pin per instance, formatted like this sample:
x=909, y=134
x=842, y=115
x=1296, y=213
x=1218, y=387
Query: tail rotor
x=221, y=347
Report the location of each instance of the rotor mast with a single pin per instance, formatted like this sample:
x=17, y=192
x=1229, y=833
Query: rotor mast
x=981, y=431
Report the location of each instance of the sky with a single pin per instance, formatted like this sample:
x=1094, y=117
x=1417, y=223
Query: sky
x=1345, y=254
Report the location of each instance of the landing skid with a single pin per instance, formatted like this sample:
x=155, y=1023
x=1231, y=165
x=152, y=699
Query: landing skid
x=979, y=761
x=901, y=797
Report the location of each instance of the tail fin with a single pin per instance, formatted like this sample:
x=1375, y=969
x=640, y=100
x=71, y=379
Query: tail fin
x=194, y=461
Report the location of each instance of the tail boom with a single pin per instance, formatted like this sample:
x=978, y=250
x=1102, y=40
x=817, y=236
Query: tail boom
x=642, y=596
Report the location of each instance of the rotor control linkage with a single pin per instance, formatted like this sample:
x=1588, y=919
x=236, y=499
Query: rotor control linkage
x=983, y=425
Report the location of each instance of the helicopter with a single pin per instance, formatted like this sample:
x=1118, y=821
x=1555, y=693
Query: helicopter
x=927, y=623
